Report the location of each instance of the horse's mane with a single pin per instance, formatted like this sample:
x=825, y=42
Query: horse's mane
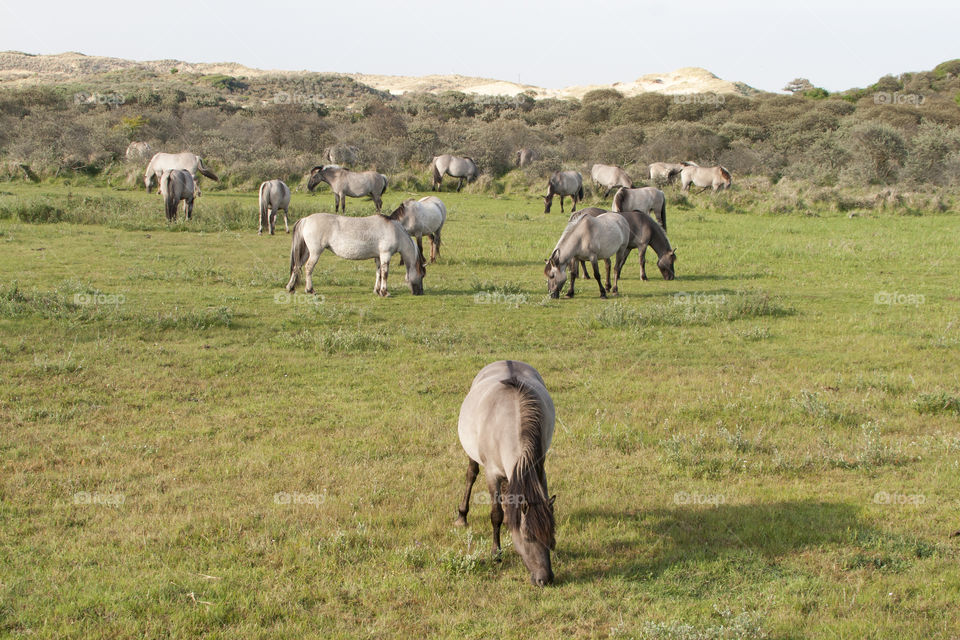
x=618, y=199
x=726, y=173
x=397, y=213
x=525, y=487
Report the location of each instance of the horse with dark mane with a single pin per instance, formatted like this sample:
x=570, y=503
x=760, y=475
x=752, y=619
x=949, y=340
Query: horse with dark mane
x=507, y=421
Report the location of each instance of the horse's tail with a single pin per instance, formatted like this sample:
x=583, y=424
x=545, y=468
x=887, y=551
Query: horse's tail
x=580, y=192
x=205, y=171
x=726, y=174
x=663, y=212
x=618, y=199
x=385, y=183
x=299, y=253
x=263, y=205
x=437, y=177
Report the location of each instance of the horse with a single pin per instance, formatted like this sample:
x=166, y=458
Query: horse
x=525, y=157
x=455, y=167
x=705, y=177
x=341, y=154
x=564, y=183
x=375, y=236
x=423, y=217
x=274, y=195
x=664, y=172
x=344, y=182
x=177, y=185
x=507, y=421
x=644, y=199
x=589, y=238
x=644, y=232
x=609, y=176
x=160, y=162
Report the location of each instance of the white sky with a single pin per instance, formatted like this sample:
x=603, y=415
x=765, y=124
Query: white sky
x=837, y=45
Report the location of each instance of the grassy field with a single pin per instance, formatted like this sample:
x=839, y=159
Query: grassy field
x=766, y=447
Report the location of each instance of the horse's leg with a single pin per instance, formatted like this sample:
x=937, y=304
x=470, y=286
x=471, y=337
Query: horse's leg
x=607, y=262
x=188, y=208
x=621, y=260
x=642, y=249
x=378, y=201
x=343, y=202
x=308, y=272
x=606, y=193
x=496, y=514
x=561, y=205
x=460, y=185
x=435, y=246
x=574, y=198
x=573, y=277
x=286, y=227
x=596, y=274
x=273, y=220
x=385, y=269
x=376, y=284
x=472, y=470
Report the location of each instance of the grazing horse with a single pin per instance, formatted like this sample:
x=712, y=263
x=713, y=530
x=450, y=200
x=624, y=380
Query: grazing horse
x=590, y=239
x=525, y=157
x=644, y=232
x=564, y=183
x=609, y=176
x=455, y=167
x=705, y=177
x=644, y=199
x=160, y=162
x=664, y=172
x=506, y=422
x=423, y=217
x=177, y=185
x=345, y=183
x=274, y=195
x=375, y=236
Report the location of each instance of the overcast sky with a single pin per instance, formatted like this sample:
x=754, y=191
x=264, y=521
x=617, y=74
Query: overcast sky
x=837, y=45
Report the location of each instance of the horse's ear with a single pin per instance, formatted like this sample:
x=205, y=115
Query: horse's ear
x=553, y=499
x=555, y=256
x=319, y=167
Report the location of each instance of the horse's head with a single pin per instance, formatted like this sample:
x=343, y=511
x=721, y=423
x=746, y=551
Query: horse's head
x=665, y=263
x=534, y=538
x=548, y=201
x=316, y=177
x=727, y=178
x=556, y=274
x=416, y=270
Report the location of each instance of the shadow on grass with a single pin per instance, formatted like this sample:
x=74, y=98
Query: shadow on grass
x=693, y=534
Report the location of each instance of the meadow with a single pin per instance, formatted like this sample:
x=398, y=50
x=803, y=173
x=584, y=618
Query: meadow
x=766, y=447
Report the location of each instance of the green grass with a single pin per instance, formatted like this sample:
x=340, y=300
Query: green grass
x=762, y=448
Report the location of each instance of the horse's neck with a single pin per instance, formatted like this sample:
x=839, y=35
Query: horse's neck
x=658, y=239
x=408, y=250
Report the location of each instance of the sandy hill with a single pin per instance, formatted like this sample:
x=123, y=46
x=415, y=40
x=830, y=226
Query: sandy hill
x=23, y=68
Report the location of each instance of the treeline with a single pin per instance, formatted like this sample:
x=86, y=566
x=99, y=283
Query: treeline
x=902, y=130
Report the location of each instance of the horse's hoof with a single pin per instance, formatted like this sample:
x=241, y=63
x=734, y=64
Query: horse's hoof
x=460, y=522
x=259, y=233
x=603, y=295
x=310, y=290
x=569, y=295
x=497, y=555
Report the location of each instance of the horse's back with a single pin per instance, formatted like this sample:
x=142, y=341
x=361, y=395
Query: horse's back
x=490, y=415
